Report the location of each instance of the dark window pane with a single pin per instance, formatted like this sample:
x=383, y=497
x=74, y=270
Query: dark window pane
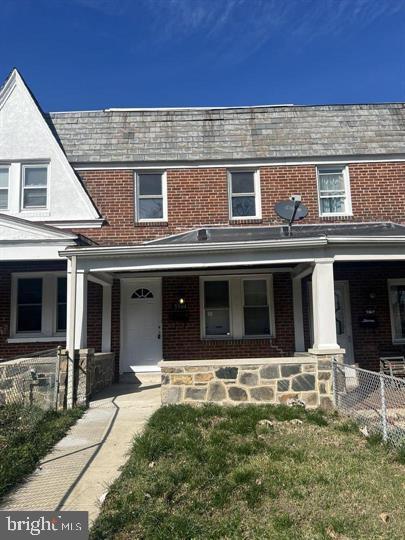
x=217, y=322
x=29, y=291
x=62, y=283
x=34, y=198
x=243, y=206
x=255, y=292
x=35, y=176
x=216, y=294
x=150, y=208
x=257, y=321
x=243, y=182
x=29, y=318
x=150, y=184
x=61, y=317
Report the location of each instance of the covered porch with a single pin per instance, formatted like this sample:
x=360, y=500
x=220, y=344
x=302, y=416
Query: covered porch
x=315, y=296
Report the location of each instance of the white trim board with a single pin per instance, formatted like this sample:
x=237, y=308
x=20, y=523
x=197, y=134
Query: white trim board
x=243, y=164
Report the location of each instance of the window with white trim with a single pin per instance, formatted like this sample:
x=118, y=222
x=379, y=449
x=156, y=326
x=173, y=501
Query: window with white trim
x=237, y=307
x=396, y=292
x=4, y=180
x=151, y=197
x=244, y=195
x=34, y=186
x=38, y=305
x=334, y=191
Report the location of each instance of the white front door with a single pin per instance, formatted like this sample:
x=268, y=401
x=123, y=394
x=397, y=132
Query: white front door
x=344, y=320
x=141, y=316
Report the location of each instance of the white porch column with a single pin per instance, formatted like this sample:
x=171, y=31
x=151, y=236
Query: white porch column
x=76, y=330
x=323, y=302
x=81, y=310
x=106, y=321
x=298, y=315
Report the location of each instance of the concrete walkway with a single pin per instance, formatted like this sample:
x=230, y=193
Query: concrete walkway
x=76, y=474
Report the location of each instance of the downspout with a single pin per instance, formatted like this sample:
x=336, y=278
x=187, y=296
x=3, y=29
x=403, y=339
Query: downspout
x=72, y=263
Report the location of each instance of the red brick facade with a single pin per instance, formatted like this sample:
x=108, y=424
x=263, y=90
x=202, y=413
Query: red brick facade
x=182, y=340
x=198, y=197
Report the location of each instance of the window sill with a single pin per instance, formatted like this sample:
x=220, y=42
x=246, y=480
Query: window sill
x=245, y=221
x=236, y=339
x=336, y=216
x=36, y=339
x=151, y=224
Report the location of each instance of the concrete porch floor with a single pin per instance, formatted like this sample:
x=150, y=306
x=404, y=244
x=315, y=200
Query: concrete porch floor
x=76, y=474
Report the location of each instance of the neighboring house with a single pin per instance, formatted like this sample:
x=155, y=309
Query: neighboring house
x=165, y=222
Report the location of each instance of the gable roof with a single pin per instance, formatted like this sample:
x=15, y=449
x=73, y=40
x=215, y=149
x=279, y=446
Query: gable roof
x=245, y=133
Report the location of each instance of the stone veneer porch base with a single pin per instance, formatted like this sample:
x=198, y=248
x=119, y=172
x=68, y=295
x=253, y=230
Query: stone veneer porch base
x=258, y=380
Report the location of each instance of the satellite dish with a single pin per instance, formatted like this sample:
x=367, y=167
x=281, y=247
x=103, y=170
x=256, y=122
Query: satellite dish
x=291, y=211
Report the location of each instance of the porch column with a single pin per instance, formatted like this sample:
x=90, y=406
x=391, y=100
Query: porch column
x=106, y=321
x=76, y=330
x=323, y=301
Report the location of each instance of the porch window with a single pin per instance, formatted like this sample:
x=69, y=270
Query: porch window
x=334, y=191
x=244, y=195
x=237, y=307
x=3, y=188
x=216, y=302
x=38, y=306
x=256, y=314
x=35, y=181
x=150, y=194
x=396, y=290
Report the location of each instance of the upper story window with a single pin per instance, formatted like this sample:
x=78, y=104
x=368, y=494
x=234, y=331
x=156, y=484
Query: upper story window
x=334, y=191
x=4, y=174
x=151, y=197
x=244, y=195
x=34, y=186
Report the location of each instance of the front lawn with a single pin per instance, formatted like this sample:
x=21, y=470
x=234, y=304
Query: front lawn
x=220, y=473
x=26, y=435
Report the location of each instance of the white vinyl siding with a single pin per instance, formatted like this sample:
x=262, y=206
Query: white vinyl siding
x=237, y=307
x=150, y=196
x=334, y=191
x=244, y=195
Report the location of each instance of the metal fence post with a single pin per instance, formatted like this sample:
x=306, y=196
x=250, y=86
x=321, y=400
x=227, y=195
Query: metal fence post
x=383, y=409
x=334, y=383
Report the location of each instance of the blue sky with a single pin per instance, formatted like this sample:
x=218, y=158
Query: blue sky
x=94, y=54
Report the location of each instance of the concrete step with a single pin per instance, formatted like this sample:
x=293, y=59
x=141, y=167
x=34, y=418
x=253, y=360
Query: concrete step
x=153, y=377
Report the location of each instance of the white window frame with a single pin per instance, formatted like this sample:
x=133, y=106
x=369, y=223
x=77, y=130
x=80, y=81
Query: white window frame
x=25, y=166
x=6, y=166
x=236, y=304
x=163, y=196
x=347, y=194
x=49, y=308
x=257, y=194
x=394, y=282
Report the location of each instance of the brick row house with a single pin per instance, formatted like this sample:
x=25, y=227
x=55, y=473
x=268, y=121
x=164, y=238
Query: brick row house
x=152, y=232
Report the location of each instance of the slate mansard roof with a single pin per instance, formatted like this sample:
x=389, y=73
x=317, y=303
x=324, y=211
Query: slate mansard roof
x=245, y=133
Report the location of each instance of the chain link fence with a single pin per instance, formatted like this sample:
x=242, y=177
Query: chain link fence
x=31, y=379
x=374, y=400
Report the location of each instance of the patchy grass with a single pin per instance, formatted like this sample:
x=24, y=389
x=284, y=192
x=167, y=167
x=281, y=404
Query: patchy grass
x=221, y=473
x=26, y=435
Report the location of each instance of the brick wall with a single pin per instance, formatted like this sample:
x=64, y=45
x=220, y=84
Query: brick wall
x=182, y=341
x=198, y=197
x=94, y=315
